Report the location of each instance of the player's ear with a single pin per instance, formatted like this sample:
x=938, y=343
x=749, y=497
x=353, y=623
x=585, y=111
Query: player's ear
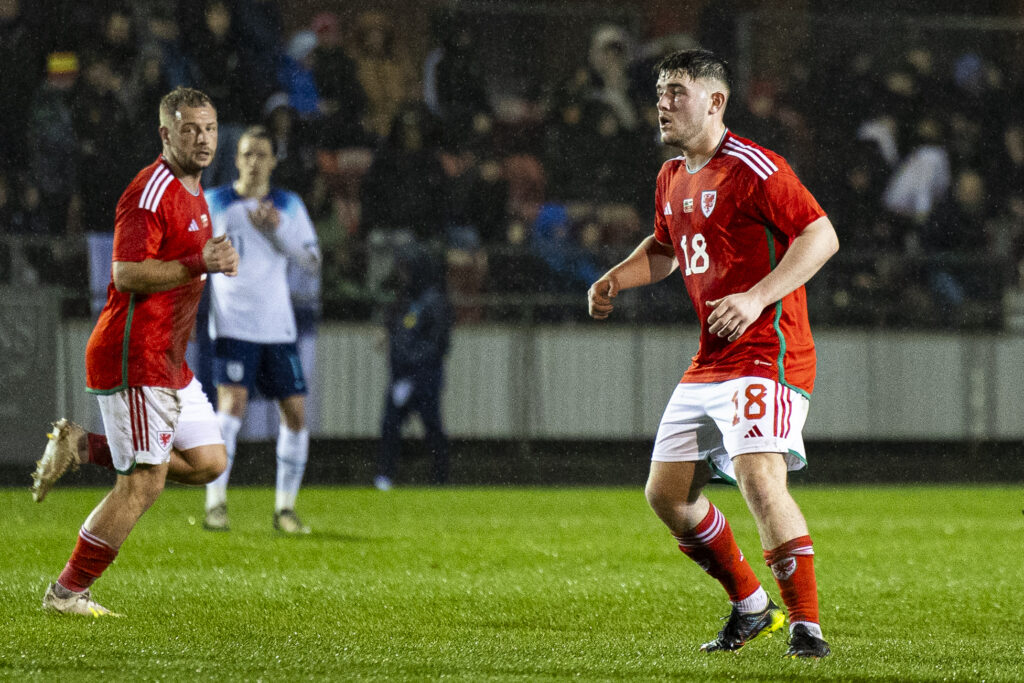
x=717, y=101
x=165, y=134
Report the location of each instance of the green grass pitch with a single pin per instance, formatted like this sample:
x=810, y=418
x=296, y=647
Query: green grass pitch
x=916, y=584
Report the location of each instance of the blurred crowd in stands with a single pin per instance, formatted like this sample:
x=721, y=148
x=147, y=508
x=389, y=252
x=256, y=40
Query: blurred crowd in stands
x=918, y=160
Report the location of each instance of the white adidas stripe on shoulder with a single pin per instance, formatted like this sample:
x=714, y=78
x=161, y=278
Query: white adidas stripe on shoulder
x=155, y=201
x=155, y=188
x=757, y=160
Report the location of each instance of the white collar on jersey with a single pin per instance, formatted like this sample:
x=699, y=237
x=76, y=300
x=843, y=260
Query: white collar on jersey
x=708, y=161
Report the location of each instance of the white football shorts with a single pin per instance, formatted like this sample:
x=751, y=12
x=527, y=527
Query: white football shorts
x=143, y=424
x=717, y=421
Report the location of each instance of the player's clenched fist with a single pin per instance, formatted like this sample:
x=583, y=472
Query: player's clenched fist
x=600, y=297
x=265, y=217
x=220, y=256
x=731, y=315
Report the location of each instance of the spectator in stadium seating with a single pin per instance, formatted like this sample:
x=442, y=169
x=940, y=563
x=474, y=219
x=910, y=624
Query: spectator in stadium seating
x=977, y=83
x=15, y=265
x=1006, y=175
x=1004, y=237
x=418, y=325
x=478, y=197
x=404, y=194
x=954, y=237
x=254, y=325
x=757, y=116
x=856, y=199
x=882, y=132
x=566, y=141
x=215, y=58
x=617, y=162
x=118, y=45
x=342, y=100
x=923, y=176
x=608, y=73
x=553, y=239
x=518, y=269
x=259, y=27
x=876, y=268
x=53, y=154
x=22, y=46
x=738, y=412
x=454, y=81
x=142, y=97
x=478, y=192
x=28, y=217
x=384, y=71
x=296, y=163
x=296, y=76
x=163, y=33
x=99, y=120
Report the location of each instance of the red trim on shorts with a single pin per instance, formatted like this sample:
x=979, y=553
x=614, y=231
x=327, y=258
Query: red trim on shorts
x=783, y=411
x=789, y=413
x=139, y=419
x=775, y=417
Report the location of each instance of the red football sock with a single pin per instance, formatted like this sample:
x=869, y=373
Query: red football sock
x=99, y=451
x=91, y=556
x=711, y=545
x=792, y=563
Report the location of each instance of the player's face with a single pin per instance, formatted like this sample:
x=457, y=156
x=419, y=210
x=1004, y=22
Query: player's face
x=255, y=160
x=683, y=108
x=192, y=138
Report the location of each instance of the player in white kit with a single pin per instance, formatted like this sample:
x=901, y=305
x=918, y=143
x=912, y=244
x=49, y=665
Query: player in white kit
x=252, y=322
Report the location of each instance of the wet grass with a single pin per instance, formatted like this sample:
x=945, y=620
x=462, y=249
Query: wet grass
x=917, y=584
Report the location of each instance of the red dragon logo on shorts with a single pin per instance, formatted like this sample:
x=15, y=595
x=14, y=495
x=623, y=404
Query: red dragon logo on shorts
x=165, y=439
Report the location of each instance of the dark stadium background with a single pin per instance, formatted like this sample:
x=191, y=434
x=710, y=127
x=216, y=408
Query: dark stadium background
x=810, y=74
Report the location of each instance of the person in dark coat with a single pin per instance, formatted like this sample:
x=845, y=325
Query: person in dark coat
x=418, y=325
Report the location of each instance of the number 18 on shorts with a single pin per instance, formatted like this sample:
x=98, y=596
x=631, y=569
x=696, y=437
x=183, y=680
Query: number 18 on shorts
x=720, y=420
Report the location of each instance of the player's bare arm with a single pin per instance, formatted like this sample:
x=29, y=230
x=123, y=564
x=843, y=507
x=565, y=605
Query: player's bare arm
x=152, y=275
x=650, y=262
x=733, y=314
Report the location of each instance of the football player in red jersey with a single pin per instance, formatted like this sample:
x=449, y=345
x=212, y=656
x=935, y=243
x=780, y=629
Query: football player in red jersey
x=158, y=422
x=746, y=235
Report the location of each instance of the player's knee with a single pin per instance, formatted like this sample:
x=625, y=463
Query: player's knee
x=662, y=501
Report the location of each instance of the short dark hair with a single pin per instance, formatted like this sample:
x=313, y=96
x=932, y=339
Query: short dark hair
x=697, y=64
x=183, y=97
x=258, y=132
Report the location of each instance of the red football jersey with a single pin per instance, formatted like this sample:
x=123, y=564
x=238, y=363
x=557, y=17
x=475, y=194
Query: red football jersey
x=140, y=339
x=730, y=223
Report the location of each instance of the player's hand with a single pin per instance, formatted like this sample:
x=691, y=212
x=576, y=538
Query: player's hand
x=732, y=315
x=600, y=297
x=265, y=217
x=220, y=256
